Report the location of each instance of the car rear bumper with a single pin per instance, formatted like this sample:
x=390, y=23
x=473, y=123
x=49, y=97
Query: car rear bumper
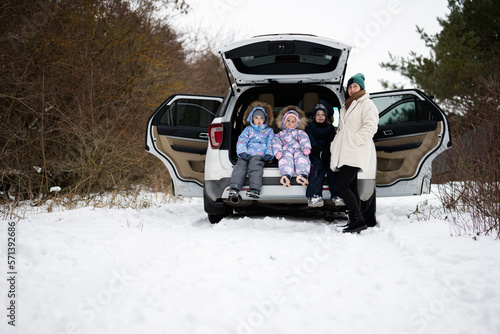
x=273, y=192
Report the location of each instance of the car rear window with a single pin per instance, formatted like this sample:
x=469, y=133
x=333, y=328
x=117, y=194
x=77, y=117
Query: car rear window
x=284, y=57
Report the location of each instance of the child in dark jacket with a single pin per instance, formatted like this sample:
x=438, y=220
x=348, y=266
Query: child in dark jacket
x=254, y=148
x=321, y=133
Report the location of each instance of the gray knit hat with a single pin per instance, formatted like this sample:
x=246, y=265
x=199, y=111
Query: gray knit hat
x=259, y=112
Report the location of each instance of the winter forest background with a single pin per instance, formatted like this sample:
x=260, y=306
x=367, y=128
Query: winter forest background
x=80, y=79
x=99, y=245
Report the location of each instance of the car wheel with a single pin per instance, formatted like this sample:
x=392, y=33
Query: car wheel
x=216, y=210
x=214, y=219
x=370, y=210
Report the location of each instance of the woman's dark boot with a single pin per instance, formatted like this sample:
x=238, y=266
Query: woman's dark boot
x=356, y=223
x=350, y=218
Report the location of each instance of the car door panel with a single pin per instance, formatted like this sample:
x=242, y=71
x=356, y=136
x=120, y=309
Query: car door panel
x=400, y=157
x=188, y=156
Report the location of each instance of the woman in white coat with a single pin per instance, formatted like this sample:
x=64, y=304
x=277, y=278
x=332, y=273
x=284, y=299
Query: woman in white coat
x=353, y=146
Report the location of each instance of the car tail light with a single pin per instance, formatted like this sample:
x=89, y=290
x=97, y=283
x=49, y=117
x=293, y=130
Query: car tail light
x=215, y=135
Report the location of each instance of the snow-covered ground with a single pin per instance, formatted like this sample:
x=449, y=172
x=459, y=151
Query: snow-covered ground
x=166, y=269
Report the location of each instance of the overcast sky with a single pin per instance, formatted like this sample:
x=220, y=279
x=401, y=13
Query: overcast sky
x=374, y=28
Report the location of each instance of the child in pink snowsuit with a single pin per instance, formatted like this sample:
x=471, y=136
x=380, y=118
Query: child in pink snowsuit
x=292, y=146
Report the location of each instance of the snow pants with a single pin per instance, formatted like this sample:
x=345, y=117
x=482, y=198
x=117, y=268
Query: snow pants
x=294, y=161
x=318, y=170
x=253, y=167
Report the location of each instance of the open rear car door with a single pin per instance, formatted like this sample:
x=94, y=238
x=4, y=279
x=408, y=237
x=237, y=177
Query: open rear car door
x=412, y=132
x=177, y=133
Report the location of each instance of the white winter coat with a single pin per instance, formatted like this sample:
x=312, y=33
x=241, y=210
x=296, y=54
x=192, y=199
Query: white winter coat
x=353, y=143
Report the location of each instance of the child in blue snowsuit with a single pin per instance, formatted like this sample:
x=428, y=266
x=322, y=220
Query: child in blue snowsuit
x=292, y=146
x=254, y=148
x=321, y=133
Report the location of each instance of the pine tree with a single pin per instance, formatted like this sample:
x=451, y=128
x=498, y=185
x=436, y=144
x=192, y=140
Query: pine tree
x=461, y=53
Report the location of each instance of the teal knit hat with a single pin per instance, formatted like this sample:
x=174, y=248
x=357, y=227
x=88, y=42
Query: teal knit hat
x=359, y=79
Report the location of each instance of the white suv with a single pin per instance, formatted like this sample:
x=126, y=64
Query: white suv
x=195, y=136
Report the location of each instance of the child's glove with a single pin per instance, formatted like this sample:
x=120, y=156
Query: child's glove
x=268, y=157
x=278, y=155
x=245, y=156
x=306, y=151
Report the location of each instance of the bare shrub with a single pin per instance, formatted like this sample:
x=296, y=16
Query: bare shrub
x=472, y=198
x=79, y=81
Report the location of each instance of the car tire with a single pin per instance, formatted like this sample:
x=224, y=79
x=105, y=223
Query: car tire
x=216, y=210
x=215, y=219
x=370, y=211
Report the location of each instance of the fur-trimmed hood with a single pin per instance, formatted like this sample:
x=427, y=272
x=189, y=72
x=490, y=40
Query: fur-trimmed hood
x=247, y=117
x=280, y=120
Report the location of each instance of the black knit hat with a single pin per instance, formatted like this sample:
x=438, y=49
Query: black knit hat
x=321, y=106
